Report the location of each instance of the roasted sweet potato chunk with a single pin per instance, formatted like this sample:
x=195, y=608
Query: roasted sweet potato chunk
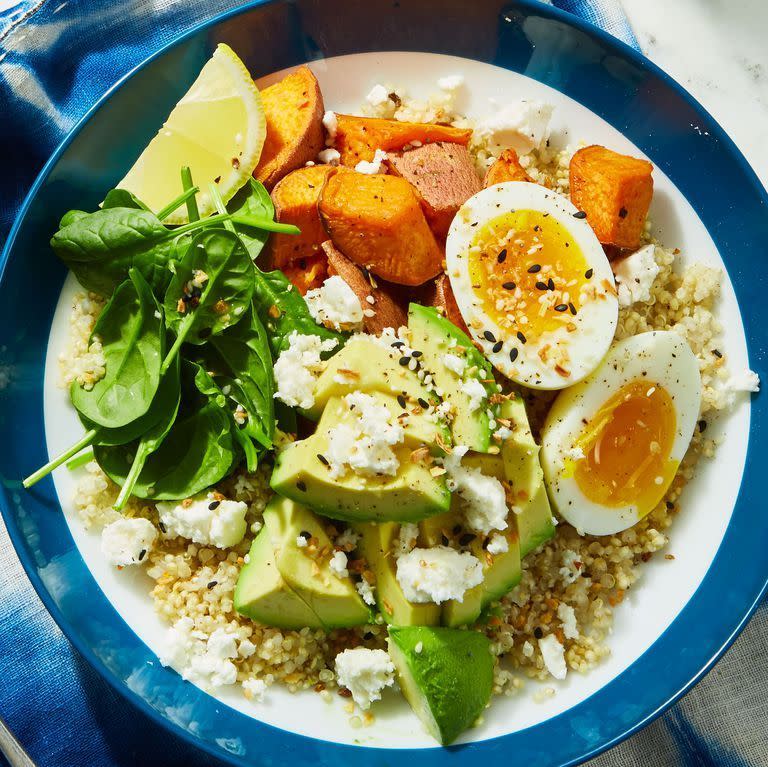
x=615, y=192
x=307, y=273
x=358, y=138
x=294, y=109
x=295, y=199
x=377, y=222
x=439, y=294
x=506, y=168
x=444, y=176
x=386, y=308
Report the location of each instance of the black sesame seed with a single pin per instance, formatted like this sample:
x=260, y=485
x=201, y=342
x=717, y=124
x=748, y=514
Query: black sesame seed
x=538, y=633
x=301, y=486
x=142, y=554
x=162, y=527
x=541, y=285
x=398, y=344
x=322, y=459
x=580, y=214
x=572, y=307
x=588, y=274
x=561, y=308
x=416, y=354
x=702, y=425
x=502, y=257
x=513, y=354
x=717, y=353
x=521, y=337
x=423, y=403
x=497, y=347
x=305, y=534
x=533, y=268
x=444, y=539
x=551, y=284
x=404, y=361
x=213, y=505
x=509, y=286
x=488, y=336
x=466, y=539
x=474, y=224
x=670, y=505
x=401, y=400
x=623, y=212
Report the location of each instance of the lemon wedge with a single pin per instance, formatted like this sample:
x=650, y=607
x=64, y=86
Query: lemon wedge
x=217, y=129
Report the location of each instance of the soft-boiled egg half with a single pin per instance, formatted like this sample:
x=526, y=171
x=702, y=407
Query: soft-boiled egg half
x=611, y=445
x=532, y=283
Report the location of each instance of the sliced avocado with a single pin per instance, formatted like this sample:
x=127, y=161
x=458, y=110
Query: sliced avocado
x=445, y=674
x=366, y=365
x=411, y=495
x=376, y=545
x=435, y=336
x=333, y=599
x=263, y=595
x=522, y=467
x=420, y=428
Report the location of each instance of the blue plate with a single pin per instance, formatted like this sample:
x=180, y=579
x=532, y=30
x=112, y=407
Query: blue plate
x=586, y=64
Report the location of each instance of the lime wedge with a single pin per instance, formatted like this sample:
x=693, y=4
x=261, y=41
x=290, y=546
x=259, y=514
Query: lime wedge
x=217, y=129
x=445, y=674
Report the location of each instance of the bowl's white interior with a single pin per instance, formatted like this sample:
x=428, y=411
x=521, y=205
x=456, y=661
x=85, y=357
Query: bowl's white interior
x=665, y=587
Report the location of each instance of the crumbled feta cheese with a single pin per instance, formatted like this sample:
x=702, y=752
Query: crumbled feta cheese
x=406, y=540
x=366, y=591
x=476, y=392
x=338, y=564
x=635, y=275
x=335, y=305
x=553, y=654
x=570, y=572
x=450, y=83
x=127, y=541
x=348, y=540
x=502, y=433
x=377, y=96
x=498, y=544
x=527, y=649
x=298, y=367
x=365, y=673
x=331, y=125
x=365, y=446
x=523, y=126
x=744, y=380
x=568, y=617
x=301, y=542
x=205, y=661
x=455, y=364
x=437, y=574
x=574, y=454
x=205, y=520
x=329, y=156
x=255, y=689
x=374, y=166
x=483, y=500
x=246, y=648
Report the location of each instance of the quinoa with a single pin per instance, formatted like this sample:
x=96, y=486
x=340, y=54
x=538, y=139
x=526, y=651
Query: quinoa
x=570, y=578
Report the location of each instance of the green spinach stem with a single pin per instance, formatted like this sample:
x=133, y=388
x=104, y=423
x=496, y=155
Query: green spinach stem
x=44, y=471
x=80, y=460
x=130, y=480
x=188, y=194
x=193, y=214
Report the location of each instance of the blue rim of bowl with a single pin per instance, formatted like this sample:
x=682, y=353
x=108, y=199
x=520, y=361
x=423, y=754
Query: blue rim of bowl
x=431, y=755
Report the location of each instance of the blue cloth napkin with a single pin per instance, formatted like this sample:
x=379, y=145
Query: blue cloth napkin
x=56, y=58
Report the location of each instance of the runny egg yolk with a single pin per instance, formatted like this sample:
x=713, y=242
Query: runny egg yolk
x=528, y=273
x=627, y=447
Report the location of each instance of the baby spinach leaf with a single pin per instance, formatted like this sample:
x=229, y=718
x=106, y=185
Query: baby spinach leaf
x=132, y=337
x=210, y=291
x=282, y=309
x=122, y=198
x=252, y=200
x=197, y=452
x=70, y=217
x=151, y=439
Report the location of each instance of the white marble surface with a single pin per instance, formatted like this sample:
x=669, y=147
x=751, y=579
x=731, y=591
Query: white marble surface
x=717, y=50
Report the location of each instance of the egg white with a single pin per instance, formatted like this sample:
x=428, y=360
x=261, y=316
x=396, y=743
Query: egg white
x=660, y=357
x=596, y=320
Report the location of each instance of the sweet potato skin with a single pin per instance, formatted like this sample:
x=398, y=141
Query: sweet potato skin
x=307, y=273
x=506, y=168
x=358, y=138
x=377, y=222
x=388, y=308
x=439, y=294
x=294, y=111
x=615, y=192
x=295, y=199
x=444, y=176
